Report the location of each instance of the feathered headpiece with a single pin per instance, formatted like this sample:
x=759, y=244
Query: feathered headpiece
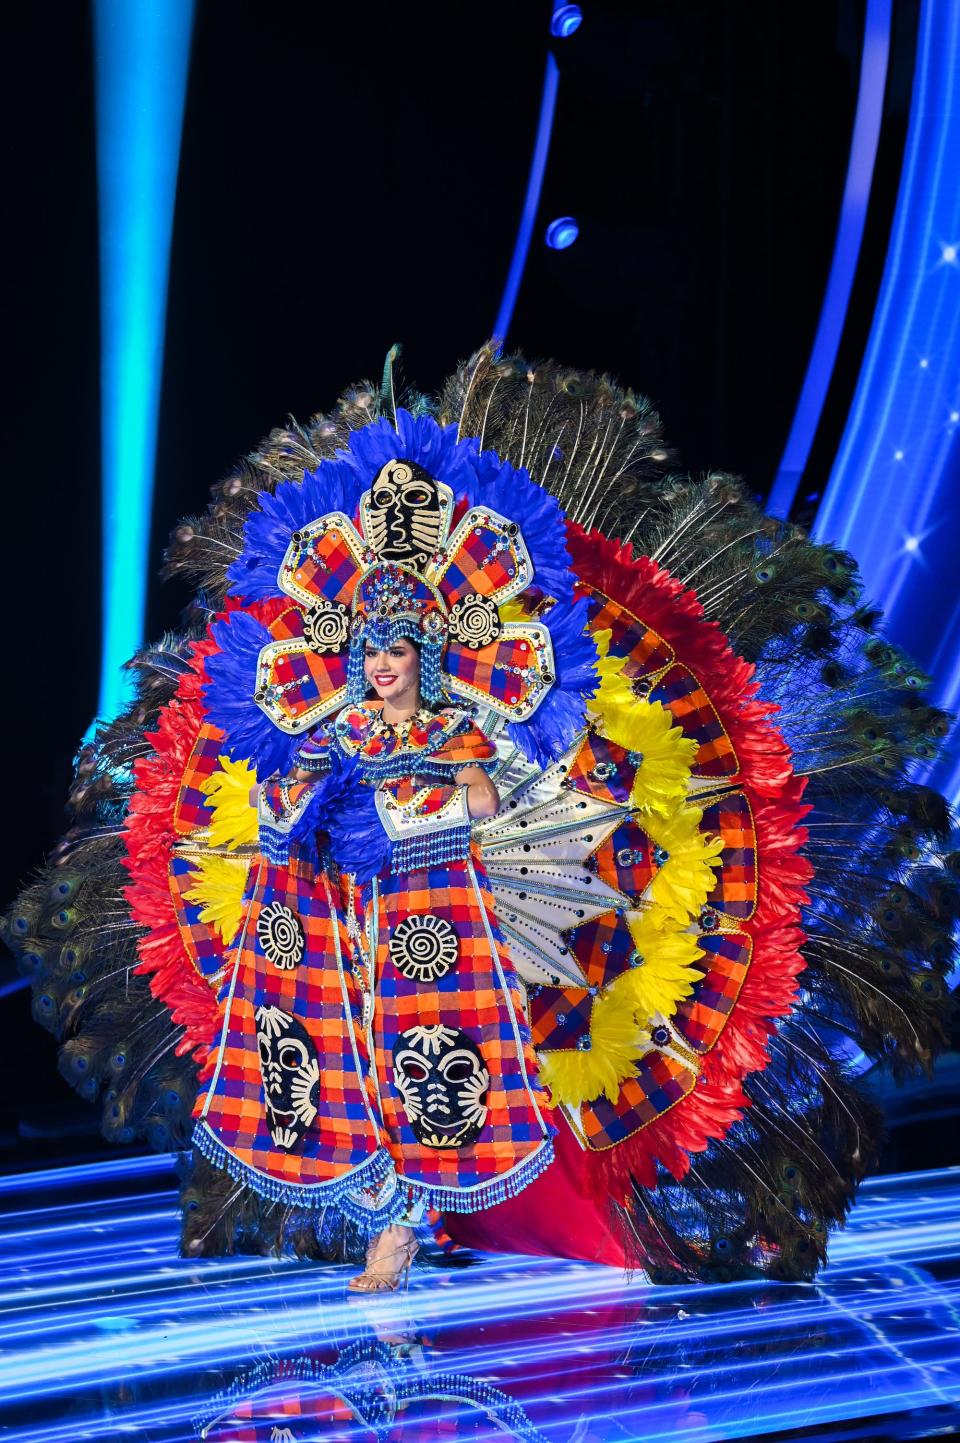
x=410, y=533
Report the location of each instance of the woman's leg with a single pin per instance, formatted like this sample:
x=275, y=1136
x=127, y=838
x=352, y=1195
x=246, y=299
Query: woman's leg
x=390, y=1254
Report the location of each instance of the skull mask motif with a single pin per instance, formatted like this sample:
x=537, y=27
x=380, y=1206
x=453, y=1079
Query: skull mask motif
x=441, y=1077
x=290, y=1073
x=403, y=514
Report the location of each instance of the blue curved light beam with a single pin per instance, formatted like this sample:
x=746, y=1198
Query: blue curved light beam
x=853, y=214
x=528, y=216
x=141, y=58
x=893, y=496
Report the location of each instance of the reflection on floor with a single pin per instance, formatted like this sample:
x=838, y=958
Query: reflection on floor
x=106, y=1334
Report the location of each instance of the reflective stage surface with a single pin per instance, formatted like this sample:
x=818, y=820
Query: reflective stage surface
x=106, y=1334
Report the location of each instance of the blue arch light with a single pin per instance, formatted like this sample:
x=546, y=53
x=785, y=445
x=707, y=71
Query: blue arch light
x=562, y=232
x=538, y=165
x=853, y=214
x=140, y=64
x=893, y=495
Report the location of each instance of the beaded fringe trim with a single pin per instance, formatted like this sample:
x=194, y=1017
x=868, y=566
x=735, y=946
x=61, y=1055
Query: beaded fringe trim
x=361, y=1388
x=497, y=1190
x=336, y=1194
x=432, y=849
x=275, y=846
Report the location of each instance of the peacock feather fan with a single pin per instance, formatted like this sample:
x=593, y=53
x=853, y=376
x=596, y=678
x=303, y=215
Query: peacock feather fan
x=880, y=910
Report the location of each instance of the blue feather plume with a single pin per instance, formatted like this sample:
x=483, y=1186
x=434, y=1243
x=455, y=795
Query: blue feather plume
x=562, y=713
x=357, y=839
x=345, y=808
x=250, y=735
x=513, y=494
x=334, y=486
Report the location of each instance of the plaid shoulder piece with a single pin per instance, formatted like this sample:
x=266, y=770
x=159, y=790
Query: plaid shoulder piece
x=314, y=755
x=468, y=744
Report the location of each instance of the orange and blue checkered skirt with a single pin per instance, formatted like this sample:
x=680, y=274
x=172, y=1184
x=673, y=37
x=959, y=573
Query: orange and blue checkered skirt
x=289, y=1107
x=449, y=1115
x=465, y=1121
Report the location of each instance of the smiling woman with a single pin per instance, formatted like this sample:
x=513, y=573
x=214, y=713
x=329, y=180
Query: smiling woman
x=435, y=1100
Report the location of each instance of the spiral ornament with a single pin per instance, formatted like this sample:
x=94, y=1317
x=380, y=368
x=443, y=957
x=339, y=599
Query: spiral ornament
x=326, y=627
x=280, y=934
x=475, y=621
x=424, y=948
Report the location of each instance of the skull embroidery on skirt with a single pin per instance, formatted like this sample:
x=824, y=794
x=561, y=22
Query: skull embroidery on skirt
x=290, y=1072
x=441, y=1077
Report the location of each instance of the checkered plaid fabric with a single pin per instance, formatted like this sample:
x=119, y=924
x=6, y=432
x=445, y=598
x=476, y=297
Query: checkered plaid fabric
x=341, y=1135
x=470, y=998
x=288, y=626
x=625, y=860
x=604, y=948
x=701, y=1018
x=559, y=1016
x=735, y=893
x=684, y=697
x=305, y=676
x=602, y=769
x=645, y=651
x=660, y=1083
x=326, y=567
x=497, y=670
x=201, y=942
x=483, y=561
x=191, y=810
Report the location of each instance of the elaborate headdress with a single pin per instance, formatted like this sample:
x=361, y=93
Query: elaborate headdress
x=413, y=533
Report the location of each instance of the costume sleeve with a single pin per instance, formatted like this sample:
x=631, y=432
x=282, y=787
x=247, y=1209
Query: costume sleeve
x=284, y=803
x=468, y=746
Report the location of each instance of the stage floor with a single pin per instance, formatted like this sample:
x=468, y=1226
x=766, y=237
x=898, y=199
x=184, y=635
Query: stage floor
x=108, y=1334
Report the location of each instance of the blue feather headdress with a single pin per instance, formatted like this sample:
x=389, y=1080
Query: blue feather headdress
x=409, y=532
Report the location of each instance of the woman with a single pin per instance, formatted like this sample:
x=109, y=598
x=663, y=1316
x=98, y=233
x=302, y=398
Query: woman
x=440, y=1106
x=394, y=675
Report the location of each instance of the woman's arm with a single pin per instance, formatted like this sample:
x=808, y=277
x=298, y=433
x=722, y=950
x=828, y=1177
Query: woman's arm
x=483, y=799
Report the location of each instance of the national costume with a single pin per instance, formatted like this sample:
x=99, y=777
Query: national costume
x=622, y=1017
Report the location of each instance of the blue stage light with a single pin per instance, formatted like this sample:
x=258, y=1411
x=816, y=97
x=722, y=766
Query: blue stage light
x=97, y=1173
x=565, y=21
x=895, y=477
x=853, y=214
x=141, y=55
x=562, y=232
x=538, y=165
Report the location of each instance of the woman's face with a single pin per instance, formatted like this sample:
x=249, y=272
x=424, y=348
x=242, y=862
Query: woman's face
x=394, y=674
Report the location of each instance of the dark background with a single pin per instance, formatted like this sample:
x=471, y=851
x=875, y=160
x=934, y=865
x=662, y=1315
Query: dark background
x=353, y=176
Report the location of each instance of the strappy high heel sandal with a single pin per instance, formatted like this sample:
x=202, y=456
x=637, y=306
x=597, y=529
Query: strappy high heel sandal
x=385, y=1274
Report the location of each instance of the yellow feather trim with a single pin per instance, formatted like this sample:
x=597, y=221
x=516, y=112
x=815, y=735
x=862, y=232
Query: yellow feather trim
x=575, y=1077
x=686, y=879
x=513, y=611
x=234, y=821
x=668, y=969
x=642, y=726
x=647, y=727
x=219, y=888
